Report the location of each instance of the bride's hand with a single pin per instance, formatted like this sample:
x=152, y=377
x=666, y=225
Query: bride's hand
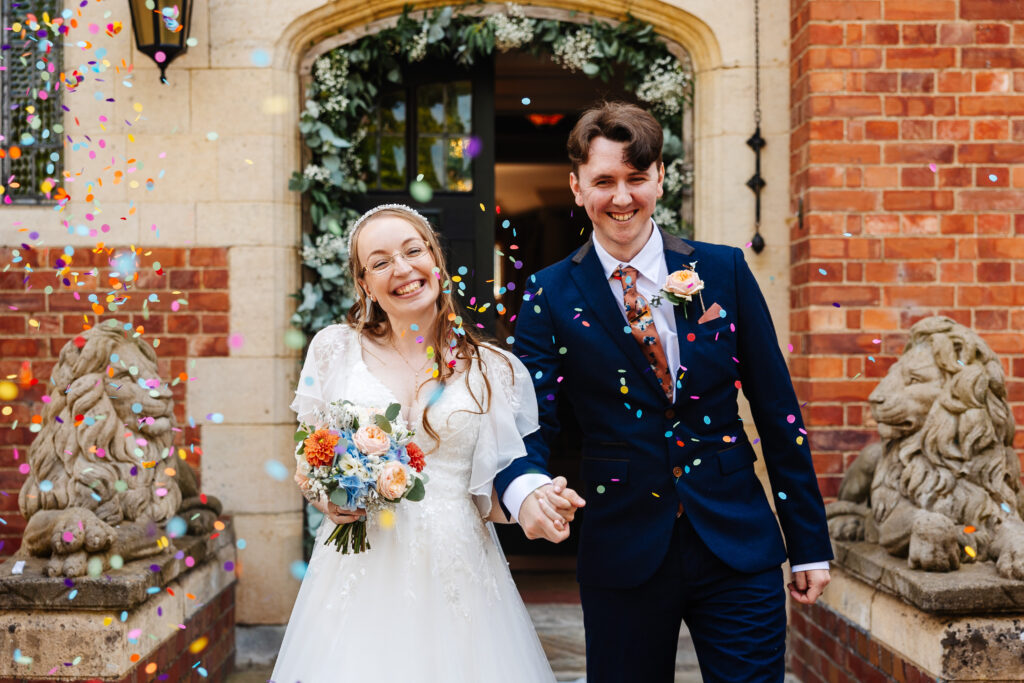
x=340, y=516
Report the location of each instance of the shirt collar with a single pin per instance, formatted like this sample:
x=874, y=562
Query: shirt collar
x=649, y=261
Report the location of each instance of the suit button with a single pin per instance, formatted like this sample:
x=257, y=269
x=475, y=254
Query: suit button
x=677, y=472
x=670, y=414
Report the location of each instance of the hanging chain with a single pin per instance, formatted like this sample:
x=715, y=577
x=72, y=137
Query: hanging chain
x=757, y=63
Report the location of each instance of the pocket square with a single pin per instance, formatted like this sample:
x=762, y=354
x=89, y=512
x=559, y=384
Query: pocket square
x=714, y=312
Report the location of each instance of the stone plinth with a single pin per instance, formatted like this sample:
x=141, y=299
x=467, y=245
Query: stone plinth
x=880, y=621
x=137, y=623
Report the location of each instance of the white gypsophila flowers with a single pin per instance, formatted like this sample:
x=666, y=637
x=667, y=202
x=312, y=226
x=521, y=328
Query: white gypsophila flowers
x=418, y=49
x=512, y=29
x=316, y=173
x=327, y=249
x=575, y=50
x=665, y=85
x=678, y=176
x=666, y=217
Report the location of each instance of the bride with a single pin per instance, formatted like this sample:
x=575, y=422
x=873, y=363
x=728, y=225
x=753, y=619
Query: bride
x=433, y=599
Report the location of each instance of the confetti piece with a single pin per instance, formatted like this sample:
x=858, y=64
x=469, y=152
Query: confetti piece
x=260, y=58
x=386, y=518
x=298, y=569
x=782, y=495
x=969, y=529
x=275, y=470
x=198, y=645
x=526, y=101
x=970, y=552
x=933, y=168
x=600, y=488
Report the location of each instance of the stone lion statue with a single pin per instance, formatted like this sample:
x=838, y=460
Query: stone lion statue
x=943, y=486
x=104, y=478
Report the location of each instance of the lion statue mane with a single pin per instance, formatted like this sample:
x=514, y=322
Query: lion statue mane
x=943, y=486
x=104, y=480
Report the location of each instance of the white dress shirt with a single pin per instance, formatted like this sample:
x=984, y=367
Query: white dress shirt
x=652, y=271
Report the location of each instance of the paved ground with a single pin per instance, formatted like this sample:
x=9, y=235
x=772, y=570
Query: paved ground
x=560, y=627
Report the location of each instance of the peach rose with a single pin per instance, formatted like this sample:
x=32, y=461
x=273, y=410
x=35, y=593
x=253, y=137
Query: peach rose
x=372, y=440
x=392, y=481
x=684, y=283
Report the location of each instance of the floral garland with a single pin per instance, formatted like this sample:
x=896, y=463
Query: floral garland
x=347, y=80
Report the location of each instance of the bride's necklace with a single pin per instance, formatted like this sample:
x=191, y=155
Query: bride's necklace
x=415, y=371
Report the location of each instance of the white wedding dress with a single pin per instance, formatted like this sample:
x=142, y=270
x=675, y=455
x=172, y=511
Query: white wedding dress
x=433, y=599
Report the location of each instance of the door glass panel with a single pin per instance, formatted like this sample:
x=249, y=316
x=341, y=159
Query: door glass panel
x=444, y=119
x=430, y=158
x=430, y=108
x=383, y=149
x=392, y=162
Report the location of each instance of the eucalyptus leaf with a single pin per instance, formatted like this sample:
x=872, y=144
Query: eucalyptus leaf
x=591, y=69
x=383, y=423
x=416, y=491
x=392, y=412
x=339, y=497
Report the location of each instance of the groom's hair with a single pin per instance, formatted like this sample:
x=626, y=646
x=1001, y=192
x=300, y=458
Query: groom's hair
x=619, y=122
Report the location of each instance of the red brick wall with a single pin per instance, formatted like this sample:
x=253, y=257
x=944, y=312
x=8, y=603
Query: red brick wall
x=824, y=646
x=34, y=326
x=901, y=112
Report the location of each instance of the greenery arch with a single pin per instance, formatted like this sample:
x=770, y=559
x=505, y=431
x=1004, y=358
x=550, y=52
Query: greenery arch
x=347, y=80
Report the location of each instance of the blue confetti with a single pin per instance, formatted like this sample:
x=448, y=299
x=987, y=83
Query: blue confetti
x=1006, y=508
x=276, y=470
x=176, y=527
x=707, y=420
x=309, y=380
x=136, y=407
x=510, y=340
x=46, y=485
x=782, y=496
x=73, y=594
x=668, y=434
x=822, y=271
x=298, y=569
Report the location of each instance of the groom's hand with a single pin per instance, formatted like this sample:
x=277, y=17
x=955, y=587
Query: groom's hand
x=806, y=586
x=547, y=511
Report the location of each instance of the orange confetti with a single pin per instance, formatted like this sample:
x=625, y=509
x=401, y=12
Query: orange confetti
x=15, y=152
x=969, y=529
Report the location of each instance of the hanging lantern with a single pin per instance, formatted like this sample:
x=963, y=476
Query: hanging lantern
x=161, y=29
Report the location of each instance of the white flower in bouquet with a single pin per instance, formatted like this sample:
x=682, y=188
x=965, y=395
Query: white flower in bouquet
x=665, y=85
x=575, y=50
x=513, y=29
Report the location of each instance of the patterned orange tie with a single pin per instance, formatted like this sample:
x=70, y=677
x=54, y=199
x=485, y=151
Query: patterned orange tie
x=641, y=322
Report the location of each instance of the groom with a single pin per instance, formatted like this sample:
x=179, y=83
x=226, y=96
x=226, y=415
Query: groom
x=677, y=526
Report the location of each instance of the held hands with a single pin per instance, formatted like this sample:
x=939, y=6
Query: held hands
x=334, y=513
x=807, y=586
x=547, y=511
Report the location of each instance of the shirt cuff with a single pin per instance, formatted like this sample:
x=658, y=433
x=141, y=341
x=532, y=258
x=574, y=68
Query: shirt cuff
x=807, y=566
x=519, y=489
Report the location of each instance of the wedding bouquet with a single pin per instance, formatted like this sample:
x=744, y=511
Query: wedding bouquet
x=358, y=457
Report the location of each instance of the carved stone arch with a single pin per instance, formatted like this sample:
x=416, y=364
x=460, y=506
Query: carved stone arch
x=336, y=24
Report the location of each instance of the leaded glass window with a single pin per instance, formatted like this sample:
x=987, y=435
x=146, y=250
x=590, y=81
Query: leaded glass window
x=32, y=120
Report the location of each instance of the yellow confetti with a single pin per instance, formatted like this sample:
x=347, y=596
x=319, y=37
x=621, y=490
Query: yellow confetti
x=137, y=106
x=198, y=645
x=33, y=322
x=8, y=391
x=624, y=390
x=107, y=621
x=482, y=207
x=387, y=519
x=799, y=440
x=970, y=551
x=655, y=494
x=249, y=161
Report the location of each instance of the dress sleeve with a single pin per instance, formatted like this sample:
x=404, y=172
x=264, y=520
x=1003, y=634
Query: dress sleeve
x=512, y=415
x=309, y=392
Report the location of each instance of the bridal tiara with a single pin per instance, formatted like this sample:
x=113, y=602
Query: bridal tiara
x=375, y=210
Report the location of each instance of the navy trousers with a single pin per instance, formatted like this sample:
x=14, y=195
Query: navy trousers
x=737, y=621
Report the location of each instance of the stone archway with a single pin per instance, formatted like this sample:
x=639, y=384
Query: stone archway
x=323, y=29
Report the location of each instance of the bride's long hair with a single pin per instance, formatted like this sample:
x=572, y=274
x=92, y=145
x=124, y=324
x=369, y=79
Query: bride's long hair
x=450, y=347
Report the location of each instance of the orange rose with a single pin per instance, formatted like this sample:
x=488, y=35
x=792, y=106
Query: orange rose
x=683, y=283
x=372, y=440
x=392, y=481
x=320, y=447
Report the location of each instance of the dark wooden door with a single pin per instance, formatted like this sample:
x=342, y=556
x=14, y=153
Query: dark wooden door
x=436, y=131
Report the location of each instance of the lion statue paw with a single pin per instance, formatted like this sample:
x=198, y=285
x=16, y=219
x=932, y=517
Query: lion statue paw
x=68, y=537
x=933, y=543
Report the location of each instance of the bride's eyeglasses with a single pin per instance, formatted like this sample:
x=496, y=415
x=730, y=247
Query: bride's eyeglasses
x=381, y=265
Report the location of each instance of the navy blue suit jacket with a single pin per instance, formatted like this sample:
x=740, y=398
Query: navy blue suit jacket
x=643, y=456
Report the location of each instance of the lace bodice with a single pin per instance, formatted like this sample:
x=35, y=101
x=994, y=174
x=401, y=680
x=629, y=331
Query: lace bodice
x=445, y=530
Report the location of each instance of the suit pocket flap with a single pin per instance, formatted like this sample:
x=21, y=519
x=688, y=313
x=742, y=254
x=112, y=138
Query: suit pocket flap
x=605, y=470
x=736, y=458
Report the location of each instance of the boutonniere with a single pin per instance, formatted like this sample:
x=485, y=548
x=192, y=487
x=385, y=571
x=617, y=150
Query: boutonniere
x=681, y=286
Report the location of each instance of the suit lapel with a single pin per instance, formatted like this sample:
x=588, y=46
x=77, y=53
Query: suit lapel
x=589, y=278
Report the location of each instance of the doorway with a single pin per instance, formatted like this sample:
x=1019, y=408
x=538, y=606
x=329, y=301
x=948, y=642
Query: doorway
x=537, y=223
